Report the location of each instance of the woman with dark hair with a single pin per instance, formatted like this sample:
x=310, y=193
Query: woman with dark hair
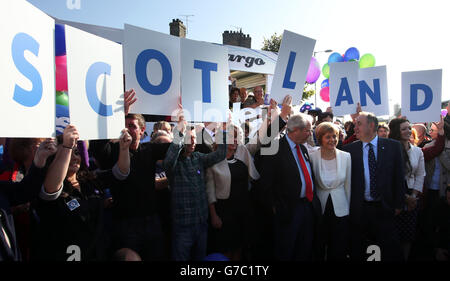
x=71, y=203
x=406, y=221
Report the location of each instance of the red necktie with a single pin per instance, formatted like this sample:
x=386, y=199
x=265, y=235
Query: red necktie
x=309, y=192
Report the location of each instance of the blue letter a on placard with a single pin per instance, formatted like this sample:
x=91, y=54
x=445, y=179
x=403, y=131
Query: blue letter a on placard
x=414, y=97
x=344, y=93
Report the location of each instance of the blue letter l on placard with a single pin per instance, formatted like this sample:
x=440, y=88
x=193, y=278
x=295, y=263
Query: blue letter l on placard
x=287, y=83
x=206, y=68
x=92, y=75
x=414, y=93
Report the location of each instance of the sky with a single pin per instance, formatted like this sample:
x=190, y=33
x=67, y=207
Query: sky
x=404, y=35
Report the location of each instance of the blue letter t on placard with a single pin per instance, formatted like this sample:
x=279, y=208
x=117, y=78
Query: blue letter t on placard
x=206, y=68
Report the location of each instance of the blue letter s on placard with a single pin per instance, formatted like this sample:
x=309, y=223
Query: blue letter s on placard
x=141, y=72
x=20, y=44
x=94, y=71
x=414, y=93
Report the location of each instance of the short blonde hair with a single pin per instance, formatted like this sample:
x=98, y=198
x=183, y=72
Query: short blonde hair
x=324, y=128
x=414, y=136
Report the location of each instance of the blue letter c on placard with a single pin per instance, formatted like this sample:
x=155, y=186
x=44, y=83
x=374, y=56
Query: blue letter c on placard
x=20, y=44
x=92, y=75
x=141, y=72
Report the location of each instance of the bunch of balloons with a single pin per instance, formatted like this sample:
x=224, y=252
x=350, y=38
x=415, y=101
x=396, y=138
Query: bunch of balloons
x=62, y=98
x=352, y=54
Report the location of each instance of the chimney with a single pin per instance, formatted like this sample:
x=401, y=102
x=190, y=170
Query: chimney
x=177, y=28
x=236, y=39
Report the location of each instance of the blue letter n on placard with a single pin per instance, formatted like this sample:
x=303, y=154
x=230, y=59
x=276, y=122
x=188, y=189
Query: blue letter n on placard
x=20, y=44
x=206, y=68
x=374, y=95
x=414, y=97
x=344, y=93
x=141, y=72
x=92, y=75
x=287, y=83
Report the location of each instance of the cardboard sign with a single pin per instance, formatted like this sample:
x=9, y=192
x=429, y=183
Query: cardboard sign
x=27, y=80
x=292, y=66
x=373, y=90
x=421, y=95
x=152, y=69
x=95, y=80
x=344, y=88
x=204, y=86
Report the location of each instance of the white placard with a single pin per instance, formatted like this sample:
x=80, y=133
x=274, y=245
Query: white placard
x=204, y=83
x=27, y=79
x=152, y=69
x=344, y=88
x=292, y=66
x=373, y=90
x=421, y=95
x=95, y=80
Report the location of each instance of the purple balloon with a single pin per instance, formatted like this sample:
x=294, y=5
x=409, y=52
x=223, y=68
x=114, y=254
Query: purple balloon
x=444, y=112
x=313, y=71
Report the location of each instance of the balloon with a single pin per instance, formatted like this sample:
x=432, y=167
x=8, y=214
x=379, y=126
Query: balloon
x=326, y=70
x=325, y=94
x=313, y=71
x=444, y=112
x=324, y=84
x=351, y=54
x=60, y=40
x=62, y=118
x=62, y=98
x=367, y=60
x=216, y=257
x=306, y=107
x=61, y=73
x=335, y=57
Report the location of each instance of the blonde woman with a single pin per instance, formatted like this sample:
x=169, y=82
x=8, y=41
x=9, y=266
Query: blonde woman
x=332, y=170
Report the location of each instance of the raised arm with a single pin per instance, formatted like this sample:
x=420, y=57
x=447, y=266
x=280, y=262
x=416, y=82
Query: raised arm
x=122, y=168
x=58, y=168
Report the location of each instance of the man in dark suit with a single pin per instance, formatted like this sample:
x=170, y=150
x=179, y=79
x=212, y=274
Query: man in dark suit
x=288, y=175
x=377, y=190
x=206, y=138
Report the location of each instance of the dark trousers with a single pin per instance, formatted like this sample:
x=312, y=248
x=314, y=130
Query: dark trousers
x=142, y=235
x=334, y=233
x=294, y=240
x=189, y=242
x=375, y=228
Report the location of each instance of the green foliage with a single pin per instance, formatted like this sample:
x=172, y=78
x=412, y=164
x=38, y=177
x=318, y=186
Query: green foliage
x=308, y=91
x=272, y=44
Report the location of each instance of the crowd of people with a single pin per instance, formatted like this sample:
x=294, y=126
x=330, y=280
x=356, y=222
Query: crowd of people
x=327, y=193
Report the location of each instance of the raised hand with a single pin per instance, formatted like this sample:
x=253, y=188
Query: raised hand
x=125, y=140
x=440, y=126
x=286, y=107
x=70, y=136
x=46, y=149
x=129, y=99
x=358, y=110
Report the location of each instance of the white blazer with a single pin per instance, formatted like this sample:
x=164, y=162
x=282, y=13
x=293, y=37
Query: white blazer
x=340, y=188
x=416, y=176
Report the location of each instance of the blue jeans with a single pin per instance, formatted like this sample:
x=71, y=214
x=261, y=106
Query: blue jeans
x=189, y=242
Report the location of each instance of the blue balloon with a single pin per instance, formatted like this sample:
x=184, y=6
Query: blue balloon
x=216, y=257
x=335, y=57
x=62, y=118
x=324, y=84
x=60, y=40
x=351, y=54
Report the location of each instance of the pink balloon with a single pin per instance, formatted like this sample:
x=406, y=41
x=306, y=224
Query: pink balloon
x=325, y=94
x=61, y=73
x=313, y=71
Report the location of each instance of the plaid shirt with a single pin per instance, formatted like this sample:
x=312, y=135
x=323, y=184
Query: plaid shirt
x=187, y=181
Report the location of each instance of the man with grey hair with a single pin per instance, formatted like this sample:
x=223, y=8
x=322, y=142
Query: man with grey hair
x=377, y=190
x=289, y=177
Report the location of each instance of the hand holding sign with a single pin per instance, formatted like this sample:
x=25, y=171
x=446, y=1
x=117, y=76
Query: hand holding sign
x=286, y=108
x=70, y=136
x=355, y=115
x=129, y=99
x=125, y=140
x=45, y=150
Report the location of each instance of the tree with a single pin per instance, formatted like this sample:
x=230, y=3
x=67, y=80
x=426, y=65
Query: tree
x=272, y=44
x=307, y=93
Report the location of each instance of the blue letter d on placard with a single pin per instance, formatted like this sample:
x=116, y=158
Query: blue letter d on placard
x=414, y=97
x=92, y=75
x=20, y=44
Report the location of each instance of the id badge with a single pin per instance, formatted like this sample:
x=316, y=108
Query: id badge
x=73, y=204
